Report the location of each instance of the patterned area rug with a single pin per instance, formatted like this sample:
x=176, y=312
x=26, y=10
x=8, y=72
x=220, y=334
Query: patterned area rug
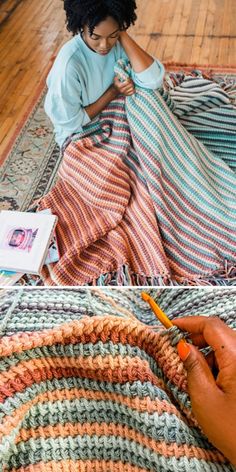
x=31, y=166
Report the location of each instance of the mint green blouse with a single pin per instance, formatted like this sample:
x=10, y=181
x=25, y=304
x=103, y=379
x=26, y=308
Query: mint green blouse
x=79, y=76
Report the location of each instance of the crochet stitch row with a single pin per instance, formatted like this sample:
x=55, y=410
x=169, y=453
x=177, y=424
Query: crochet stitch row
x=87, y=385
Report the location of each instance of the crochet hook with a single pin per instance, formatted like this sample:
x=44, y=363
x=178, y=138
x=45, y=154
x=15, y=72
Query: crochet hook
x=162, y=317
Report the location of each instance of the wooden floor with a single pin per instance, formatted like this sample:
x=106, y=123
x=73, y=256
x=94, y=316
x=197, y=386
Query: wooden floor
x=180, y=31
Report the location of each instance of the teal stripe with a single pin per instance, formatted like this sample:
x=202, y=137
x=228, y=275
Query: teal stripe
x=195, y=106
x=175, y=216
x=178, y=212
x=204, y=121
x=12, y=403
x=164, y=125
x=186, y=188
x=133, y=163
x=194, y=167
x=135, y=389
x=161, y=427
x=107, y=448
x=76, y=350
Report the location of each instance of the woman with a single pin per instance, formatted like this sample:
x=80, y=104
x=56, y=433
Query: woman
x=82, y=83
x=139, y=200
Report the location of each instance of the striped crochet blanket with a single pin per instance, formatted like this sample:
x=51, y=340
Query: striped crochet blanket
x=147, y=193
x=86, y=386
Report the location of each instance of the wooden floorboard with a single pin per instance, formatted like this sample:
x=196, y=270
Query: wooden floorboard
x=176, y=31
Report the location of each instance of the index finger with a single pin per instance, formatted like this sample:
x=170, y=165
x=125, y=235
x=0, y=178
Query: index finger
x=192, y=326
x=211, y=327
x=214, y=331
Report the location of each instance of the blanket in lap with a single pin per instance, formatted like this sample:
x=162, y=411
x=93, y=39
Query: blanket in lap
x=90, y=382
x=147, y=194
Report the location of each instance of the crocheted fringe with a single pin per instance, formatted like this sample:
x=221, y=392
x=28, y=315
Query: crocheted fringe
x=124, y=277
x=220, y=277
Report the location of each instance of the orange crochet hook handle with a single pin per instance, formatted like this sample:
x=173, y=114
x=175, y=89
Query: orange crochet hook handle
x=158, y=312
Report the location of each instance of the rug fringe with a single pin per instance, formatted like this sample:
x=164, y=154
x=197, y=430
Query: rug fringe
x=124, y=277
x=221, y=277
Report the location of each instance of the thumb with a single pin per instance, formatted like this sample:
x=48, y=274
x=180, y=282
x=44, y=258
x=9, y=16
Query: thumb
x=199, y=376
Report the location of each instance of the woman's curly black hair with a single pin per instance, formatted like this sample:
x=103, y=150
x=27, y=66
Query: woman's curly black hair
x=91, y=12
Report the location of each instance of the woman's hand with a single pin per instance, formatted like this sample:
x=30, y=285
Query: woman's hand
x=124, y=88
x=213, y=397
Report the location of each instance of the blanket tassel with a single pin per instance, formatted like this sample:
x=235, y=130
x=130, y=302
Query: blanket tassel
x=123, y=277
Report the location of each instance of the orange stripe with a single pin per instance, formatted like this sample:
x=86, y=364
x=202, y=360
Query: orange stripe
x=109, y=328
x=108, y=173
x=105, y=329
x=108, y=368
x=140, y=405
x=111, y=429
x=113, y=177
x=144, y=206
x=80, y=466
x=75, y=234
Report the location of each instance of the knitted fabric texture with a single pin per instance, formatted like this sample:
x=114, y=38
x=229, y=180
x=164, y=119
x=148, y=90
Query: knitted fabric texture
x=140, y=200
x=86, y=386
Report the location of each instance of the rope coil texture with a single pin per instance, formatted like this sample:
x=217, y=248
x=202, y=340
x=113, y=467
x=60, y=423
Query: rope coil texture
x=90, y=381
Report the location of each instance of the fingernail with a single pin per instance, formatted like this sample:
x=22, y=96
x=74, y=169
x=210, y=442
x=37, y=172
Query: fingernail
x=183, y=349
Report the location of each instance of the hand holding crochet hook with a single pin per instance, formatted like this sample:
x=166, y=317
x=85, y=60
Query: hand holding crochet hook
x=211, y=379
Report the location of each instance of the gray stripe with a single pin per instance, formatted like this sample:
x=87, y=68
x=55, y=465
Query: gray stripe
x=107, y=448
x=130, y=390
x=75, y=350
x=164, y=427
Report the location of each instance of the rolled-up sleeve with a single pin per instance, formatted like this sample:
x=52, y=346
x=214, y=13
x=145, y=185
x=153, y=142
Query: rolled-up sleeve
x=150, y=78
x=63, y=106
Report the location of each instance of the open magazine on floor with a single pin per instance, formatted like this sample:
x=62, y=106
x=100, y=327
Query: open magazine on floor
x=27, y=242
